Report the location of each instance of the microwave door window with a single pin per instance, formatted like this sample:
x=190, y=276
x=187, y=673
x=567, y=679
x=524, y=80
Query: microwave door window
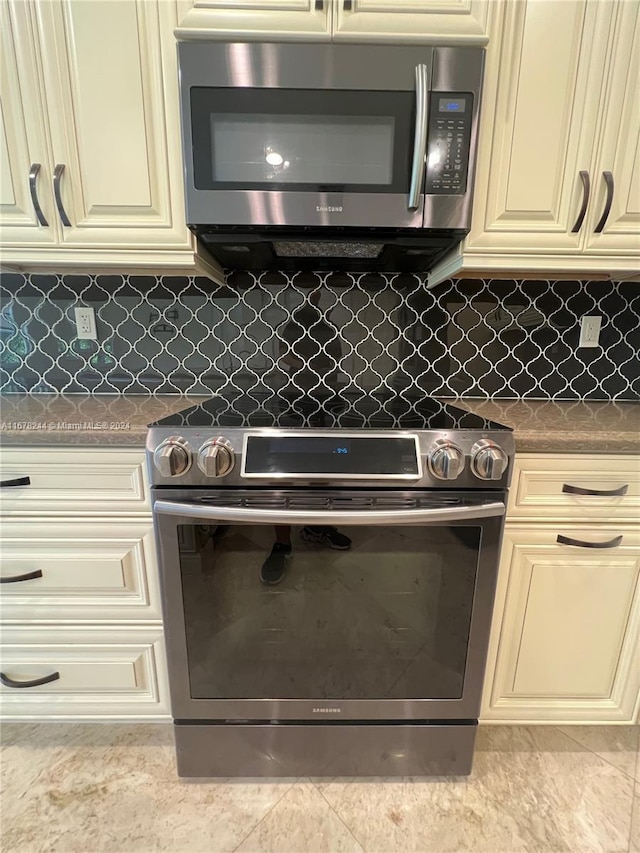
x=302, y=150
x=301, y=141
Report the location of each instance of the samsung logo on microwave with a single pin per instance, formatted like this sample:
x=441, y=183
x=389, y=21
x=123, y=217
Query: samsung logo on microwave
x=327, y=710
x=328, y=208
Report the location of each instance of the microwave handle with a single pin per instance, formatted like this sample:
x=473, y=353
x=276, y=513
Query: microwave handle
x=251, y=515
x=420, y=136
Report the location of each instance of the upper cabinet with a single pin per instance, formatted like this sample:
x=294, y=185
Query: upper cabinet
x=260, y=20
x=26, y=209
x=558, y=141
x=614, y=221
x=90, y=96
x=412, y=21
x=408, y=21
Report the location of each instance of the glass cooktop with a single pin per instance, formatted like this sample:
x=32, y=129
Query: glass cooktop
x=344, y=411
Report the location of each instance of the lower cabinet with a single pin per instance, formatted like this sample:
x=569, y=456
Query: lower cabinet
x=81, y=622
x=85, y=673
x=83, y=569
x=565, y=643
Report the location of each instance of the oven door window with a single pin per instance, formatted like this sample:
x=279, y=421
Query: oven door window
x=305, y=140
x=387, y=618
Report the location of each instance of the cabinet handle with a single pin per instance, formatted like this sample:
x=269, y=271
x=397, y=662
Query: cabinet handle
x=9, y=682
x=16, y=481
x=27, y=576
x=57, y=174
x=601, y=493
x=608, y=179
x=586, y=189
x=33, y=189
x=319, y=5
x=347, y=5
x=580, y=543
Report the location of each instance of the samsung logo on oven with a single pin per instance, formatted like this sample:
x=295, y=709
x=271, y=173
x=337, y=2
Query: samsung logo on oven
x=328, y=208
x=327, y=710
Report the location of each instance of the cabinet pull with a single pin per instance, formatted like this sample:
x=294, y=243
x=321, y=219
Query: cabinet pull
x=27, y=576
x=347, y=5
x=9, y=682
x=57, y=174
x=33, y=189
x=15, y=481
x=608, y=179
x=319, y=5
x=580, y=543
x=601, y=493
x=586, y=189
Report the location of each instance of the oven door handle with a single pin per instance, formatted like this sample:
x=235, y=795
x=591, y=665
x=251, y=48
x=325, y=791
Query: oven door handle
x=256, y=515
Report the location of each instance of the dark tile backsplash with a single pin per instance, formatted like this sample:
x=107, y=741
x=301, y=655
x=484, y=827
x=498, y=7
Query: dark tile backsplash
x=171, y=335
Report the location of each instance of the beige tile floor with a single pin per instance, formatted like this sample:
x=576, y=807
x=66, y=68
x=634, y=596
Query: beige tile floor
x=90, y=788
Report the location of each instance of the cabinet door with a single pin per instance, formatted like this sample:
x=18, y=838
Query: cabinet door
x=428, y=21
x=105, y=672
x=538, y=124
x=112, y=132
x=78, y=569
x=620, y=144
x=22, y=136
x=104, y=481
x=565, y=642
x=268, y=20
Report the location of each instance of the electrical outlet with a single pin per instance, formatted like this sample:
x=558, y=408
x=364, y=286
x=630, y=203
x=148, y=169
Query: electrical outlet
x=590, y=331
x=86, y=324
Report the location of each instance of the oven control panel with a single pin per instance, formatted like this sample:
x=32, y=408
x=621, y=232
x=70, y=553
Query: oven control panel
x=449, y=142
x=341, y=456
x=256, y=456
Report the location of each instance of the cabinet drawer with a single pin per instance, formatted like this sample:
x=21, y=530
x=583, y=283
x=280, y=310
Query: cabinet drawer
x=540, y=483
x=84, y=569
x=565, y=641
x=103, y=672
x=81, y=481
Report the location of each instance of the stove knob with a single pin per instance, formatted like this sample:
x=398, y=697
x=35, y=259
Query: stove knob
x=216, y=457
x=173, y=457
x=489, y=461
x=445, y=460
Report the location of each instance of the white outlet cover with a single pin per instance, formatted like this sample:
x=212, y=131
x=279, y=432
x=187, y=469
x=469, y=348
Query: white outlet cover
x=590, y=331
x=86, y=324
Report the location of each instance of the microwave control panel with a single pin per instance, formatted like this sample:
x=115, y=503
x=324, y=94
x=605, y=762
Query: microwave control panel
x=448, y=143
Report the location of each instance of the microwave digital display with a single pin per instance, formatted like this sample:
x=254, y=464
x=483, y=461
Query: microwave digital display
x=446, y=105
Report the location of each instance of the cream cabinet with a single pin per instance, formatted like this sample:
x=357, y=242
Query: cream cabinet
x=619, y=155
x=408, y=21
x=565, y=640
x=80, y=614
x=26, y=208
x=558, y=140
x=411, y=21
x=71, y=481
x=89, y=95
x=262, y=20
x=86, y=672
x=82, y=569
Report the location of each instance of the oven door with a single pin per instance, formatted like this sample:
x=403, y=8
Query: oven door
x=304, y=135
x=393, y=627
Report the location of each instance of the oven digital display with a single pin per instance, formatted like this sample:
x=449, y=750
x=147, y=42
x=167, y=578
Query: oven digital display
x=334, y=456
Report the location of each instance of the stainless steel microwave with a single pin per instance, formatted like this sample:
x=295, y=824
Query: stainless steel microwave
x=322, y=156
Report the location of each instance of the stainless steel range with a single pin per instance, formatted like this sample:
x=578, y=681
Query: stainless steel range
x=328, y=572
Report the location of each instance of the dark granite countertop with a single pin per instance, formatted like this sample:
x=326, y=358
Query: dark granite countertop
x=539, y=425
